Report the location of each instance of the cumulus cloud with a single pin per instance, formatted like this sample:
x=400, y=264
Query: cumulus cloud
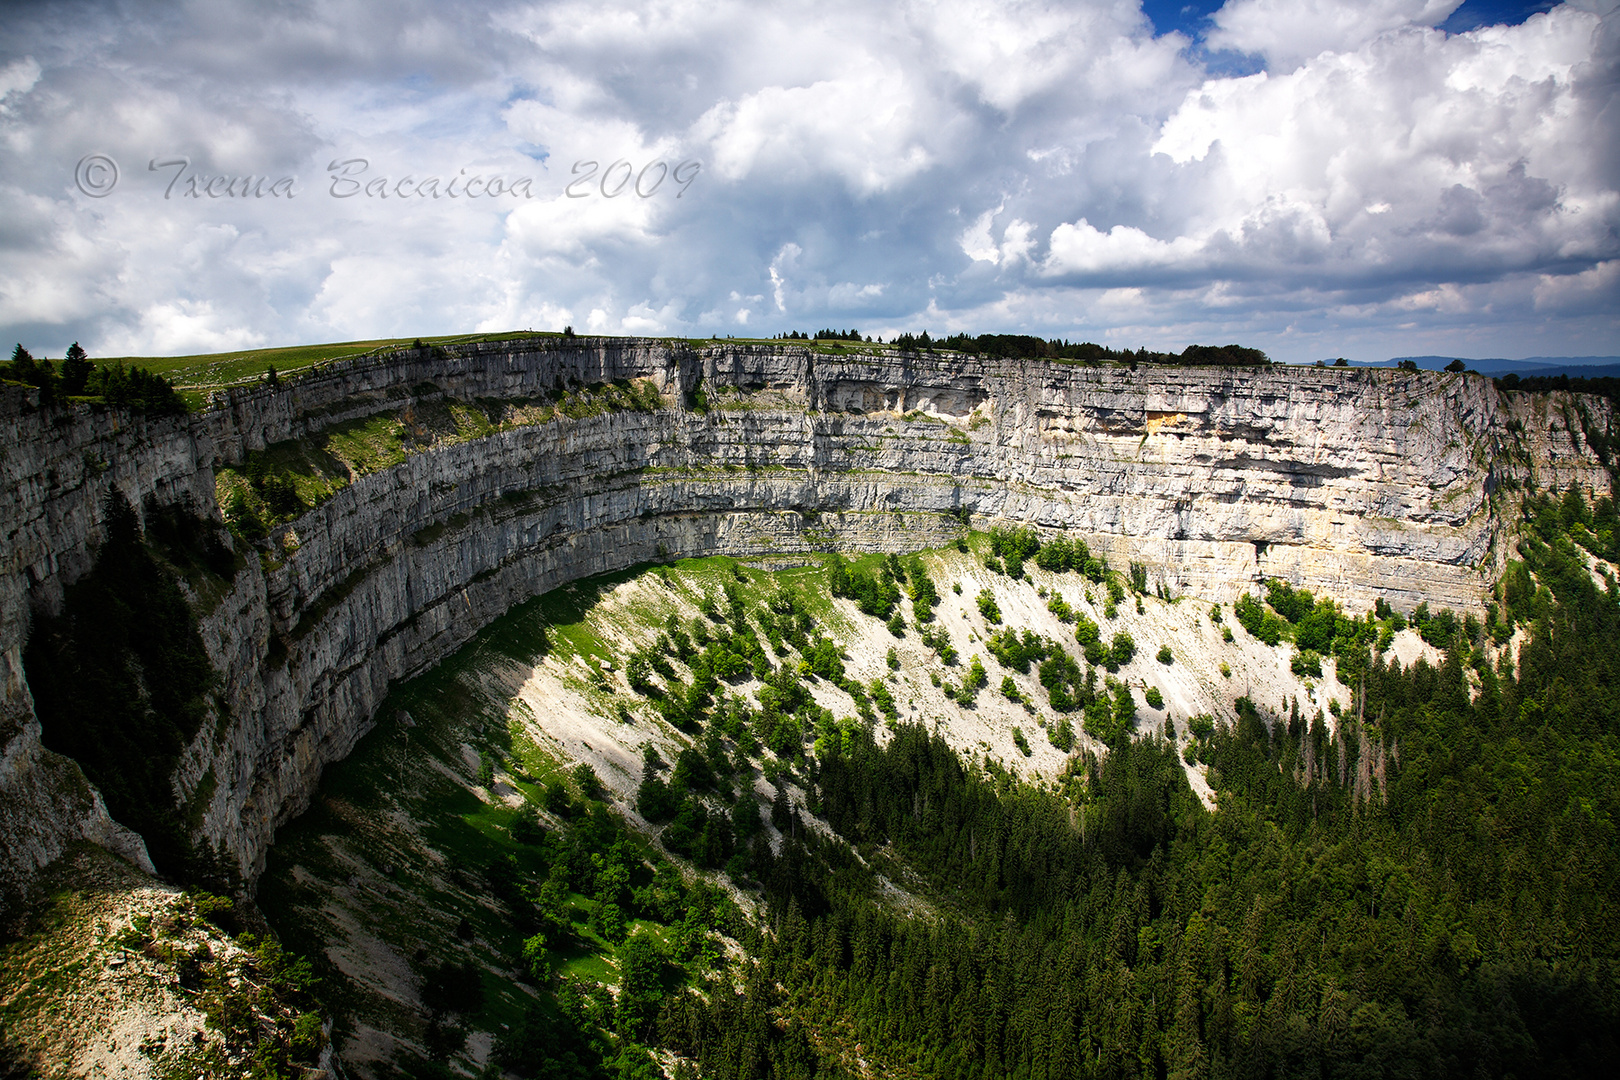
x=1045, y=167
x=1010, y=53
x=1081, y=249
x=1287, y=32
x=862, y=126
x=1419, y=155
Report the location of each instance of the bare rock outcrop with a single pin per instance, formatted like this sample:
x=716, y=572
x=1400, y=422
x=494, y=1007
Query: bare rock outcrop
x=1359, y=484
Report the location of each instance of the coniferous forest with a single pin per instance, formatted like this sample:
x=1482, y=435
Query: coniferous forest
x=1427, y=891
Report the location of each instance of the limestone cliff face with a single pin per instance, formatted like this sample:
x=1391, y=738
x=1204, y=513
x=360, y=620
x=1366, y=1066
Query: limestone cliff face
x=1354, y=483
x=57, y=468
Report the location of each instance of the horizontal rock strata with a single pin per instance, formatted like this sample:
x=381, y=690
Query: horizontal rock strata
x=1354, y=483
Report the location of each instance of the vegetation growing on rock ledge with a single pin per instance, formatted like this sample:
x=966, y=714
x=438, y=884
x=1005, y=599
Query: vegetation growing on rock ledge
x=280, y=483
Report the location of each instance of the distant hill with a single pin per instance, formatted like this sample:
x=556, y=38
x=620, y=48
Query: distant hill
x=1584, y=366
x=1589, y=367
x=1595, y=371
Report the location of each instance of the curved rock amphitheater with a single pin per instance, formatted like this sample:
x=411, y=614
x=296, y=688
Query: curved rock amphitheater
x=1357, y=483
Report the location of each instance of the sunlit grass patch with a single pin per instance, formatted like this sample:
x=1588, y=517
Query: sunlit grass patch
x=214, y=370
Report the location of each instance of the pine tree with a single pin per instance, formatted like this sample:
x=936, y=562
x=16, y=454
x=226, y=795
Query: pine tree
x=76, y=369
x=37, y=373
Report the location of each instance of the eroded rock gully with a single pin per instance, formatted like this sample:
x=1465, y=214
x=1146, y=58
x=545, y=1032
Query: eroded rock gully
x=1355, y=483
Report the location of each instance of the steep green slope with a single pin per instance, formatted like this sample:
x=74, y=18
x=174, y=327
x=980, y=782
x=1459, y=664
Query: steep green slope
x=687, y=815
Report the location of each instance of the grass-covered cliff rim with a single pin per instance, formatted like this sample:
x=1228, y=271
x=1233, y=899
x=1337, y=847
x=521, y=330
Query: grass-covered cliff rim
x=199, y=377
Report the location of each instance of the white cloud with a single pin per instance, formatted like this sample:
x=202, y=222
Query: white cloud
x=190, y=326
x=643, y=318
x=853, y=295
x=17, y=77
x=1018, y=240
x=1082, y=249
x=1447, y=298
x=977, y=242
x=575, y=229
x=864, y=127
x=1011, y=52
x=1288, y=32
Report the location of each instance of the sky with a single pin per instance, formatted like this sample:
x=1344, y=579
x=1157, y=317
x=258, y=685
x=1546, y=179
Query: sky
x=1315, y=178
